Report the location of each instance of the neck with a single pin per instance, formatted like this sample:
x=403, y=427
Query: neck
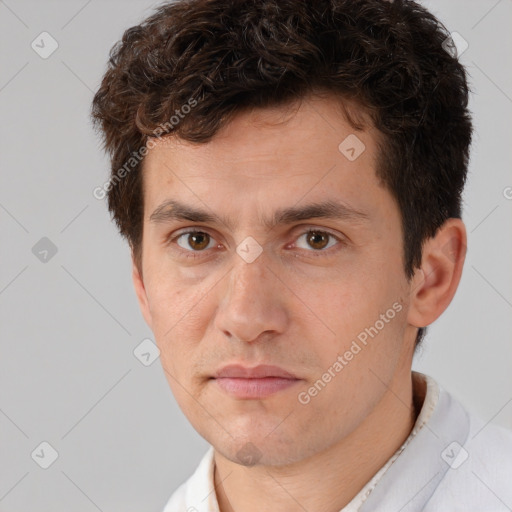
x=336, y=475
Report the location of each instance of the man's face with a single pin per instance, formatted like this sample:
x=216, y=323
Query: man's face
x=212, y=299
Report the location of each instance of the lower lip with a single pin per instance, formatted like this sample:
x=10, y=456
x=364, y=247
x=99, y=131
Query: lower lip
x=254, y=388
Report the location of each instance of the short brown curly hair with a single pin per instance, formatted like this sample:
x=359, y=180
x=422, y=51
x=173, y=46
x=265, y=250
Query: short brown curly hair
x=218, y=57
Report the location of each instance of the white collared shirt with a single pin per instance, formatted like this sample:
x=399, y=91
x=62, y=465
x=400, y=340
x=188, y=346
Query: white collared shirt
x=450, y=462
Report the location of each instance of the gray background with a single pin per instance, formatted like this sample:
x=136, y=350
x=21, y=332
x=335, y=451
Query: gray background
x=69, y=325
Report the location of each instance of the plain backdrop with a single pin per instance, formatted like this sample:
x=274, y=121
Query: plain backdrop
x=69, y=318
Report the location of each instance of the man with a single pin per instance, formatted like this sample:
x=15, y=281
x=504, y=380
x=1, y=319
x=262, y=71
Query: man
x=289, y=177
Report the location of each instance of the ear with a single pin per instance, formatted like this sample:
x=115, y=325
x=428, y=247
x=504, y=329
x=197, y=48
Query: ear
x=140, y=290
x=435, y=283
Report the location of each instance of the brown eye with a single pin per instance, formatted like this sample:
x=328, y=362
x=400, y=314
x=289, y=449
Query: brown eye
x=317, y=239
x=196, y=240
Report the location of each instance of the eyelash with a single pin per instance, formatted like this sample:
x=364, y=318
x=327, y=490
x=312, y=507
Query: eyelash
x=198, y=254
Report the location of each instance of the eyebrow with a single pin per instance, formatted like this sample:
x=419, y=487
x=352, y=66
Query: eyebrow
x=174, y=210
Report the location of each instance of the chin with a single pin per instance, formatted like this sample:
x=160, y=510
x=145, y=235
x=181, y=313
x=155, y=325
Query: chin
x=253, y=447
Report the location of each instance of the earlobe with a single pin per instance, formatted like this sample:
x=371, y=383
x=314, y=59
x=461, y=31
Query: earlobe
x=435, y=283
x=140, y=290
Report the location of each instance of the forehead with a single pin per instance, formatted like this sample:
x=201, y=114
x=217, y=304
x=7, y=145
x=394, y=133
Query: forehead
x=251, y=131
x=272, y=155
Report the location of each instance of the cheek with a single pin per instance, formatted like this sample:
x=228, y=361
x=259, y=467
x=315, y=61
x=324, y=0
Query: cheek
x=356, y=369
x=344, y=303
x=178, y=314
x=362, y=316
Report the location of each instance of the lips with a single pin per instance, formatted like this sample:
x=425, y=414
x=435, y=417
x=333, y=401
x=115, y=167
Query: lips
x=253, y=383
x=258, y=372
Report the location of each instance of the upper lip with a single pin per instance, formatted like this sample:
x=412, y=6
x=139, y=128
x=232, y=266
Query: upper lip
x=257, y=372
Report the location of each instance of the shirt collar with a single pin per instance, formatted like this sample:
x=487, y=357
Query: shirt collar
x=426, y=393
x=413, y=476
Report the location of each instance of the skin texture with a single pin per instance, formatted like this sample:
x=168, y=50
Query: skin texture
x=299, y=305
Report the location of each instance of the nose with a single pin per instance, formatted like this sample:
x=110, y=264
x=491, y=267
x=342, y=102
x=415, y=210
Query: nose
x=252, y=302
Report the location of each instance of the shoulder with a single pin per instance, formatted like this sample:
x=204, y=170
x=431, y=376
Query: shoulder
x=195, y=494
x=177, y=502
x=489, y=452
x=479, y=476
